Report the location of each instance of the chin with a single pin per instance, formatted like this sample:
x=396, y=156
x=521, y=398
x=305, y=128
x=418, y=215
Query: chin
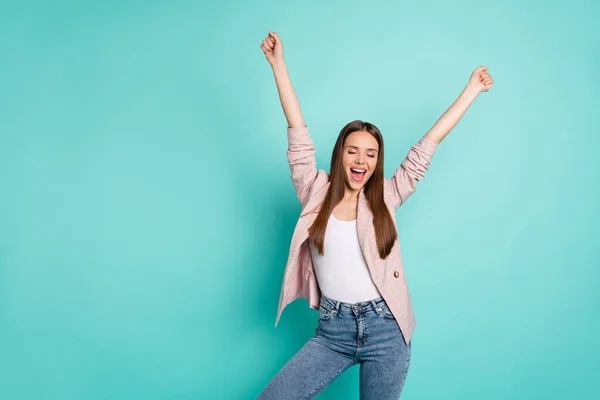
x=356, y=185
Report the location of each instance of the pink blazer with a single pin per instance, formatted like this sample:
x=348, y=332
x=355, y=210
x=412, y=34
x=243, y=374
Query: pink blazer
x=311, y=186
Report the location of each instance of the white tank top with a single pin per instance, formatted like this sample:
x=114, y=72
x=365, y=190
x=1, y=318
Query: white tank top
x=341, y=271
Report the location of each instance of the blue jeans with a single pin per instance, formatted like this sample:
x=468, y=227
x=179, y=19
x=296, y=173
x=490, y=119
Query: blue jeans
x=363, y=333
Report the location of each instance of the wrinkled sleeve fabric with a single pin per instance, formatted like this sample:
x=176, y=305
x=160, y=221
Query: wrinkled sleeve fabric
x=412, y=169
x=302, y=162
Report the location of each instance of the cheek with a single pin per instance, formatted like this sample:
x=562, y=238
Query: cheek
x=373, y=165
x=347, y=164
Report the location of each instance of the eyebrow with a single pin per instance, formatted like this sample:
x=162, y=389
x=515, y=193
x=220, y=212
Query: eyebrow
x=375, y=150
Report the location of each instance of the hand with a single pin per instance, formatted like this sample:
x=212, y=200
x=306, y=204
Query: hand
x=481, y=80
x=273, y=49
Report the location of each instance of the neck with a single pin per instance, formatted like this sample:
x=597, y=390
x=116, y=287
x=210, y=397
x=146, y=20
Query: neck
x=351, y=195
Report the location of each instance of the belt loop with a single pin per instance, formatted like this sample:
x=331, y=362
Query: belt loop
x=336, y=308
x=378, y=310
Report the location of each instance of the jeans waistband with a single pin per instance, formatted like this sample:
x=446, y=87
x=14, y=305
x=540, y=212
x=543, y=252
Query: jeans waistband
x=375, y=304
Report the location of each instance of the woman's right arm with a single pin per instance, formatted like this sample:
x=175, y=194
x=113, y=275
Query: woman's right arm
x=301, y=151
x=273, y=50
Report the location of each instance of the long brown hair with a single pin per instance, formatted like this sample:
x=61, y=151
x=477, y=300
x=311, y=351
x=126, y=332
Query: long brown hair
x=385, y=230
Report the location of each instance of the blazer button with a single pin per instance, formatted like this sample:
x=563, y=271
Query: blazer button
x=396, y=274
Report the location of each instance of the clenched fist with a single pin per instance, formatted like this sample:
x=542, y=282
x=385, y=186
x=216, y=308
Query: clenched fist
x=273, y=49
x=481, y=80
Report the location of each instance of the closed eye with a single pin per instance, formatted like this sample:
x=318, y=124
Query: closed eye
x=353, y=152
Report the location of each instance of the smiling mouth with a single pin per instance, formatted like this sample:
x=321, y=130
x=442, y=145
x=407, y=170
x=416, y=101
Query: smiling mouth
x=358, y=174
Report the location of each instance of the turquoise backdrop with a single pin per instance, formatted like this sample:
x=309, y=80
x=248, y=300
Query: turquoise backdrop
x=146, y=206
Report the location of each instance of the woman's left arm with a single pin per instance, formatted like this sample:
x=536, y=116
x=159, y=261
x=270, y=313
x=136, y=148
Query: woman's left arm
x=480, y=81
x=412, y=169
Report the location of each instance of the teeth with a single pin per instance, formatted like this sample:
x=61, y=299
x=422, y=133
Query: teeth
x=358, y=170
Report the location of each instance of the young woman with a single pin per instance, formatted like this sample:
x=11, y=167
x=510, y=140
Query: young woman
x=345, y=254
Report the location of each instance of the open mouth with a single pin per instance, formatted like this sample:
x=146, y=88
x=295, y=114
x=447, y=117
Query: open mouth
x=358, y=174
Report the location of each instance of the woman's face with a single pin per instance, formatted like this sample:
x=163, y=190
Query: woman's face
x=360, y=158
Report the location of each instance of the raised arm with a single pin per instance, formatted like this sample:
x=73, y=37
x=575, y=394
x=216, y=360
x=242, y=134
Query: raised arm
x=273, y=50
x=480, y=81
x=415, y=164
x=300, y=152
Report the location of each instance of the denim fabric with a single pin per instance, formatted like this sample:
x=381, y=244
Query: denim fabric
x=364, y=333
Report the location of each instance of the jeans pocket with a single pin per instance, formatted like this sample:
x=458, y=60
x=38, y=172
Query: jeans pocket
x=325, y=314
x=385, y=311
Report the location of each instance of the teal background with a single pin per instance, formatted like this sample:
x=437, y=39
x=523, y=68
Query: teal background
x=146, y=206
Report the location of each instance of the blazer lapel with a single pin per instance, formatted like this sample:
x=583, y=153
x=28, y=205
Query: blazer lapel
x=366, y=237
x=305, y=221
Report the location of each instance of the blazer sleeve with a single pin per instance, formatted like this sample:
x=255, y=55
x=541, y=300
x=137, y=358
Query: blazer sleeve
x=412, y=169
x=301, y=158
